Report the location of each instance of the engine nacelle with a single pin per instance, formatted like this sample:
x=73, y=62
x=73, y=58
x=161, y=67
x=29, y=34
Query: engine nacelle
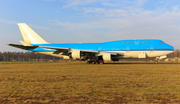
x=109, y=57
x=106, y=57
x=76, y=54
x=161, y=57
x=66, y=57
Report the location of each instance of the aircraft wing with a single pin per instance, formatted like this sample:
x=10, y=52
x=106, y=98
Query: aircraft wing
x=68, y=50
x=57, y=48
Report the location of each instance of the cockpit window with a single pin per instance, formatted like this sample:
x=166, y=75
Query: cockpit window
x=161, y=42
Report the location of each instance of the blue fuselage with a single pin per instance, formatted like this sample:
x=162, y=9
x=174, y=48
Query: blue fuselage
x=120, y=45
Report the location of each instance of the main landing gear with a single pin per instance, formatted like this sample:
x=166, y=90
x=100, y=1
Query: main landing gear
x=156, y=60
x=94, y=62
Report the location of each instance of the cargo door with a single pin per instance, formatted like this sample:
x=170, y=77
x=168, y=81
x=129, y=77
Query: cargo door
x=136, y=42
x=98, y=48
x=151, y=48
x=142, y=55
x=127, y=48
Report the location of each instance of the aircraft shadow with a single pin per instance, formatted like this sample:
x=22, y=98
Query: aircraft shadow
x=140, y=63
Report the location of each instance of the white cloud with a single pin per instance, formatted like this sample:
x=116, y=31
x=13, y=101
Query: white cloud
x=122, y=8
x=8, y=21
x=140, y=2
x=48, y=0
x=43, y=28
x=175, y=8
x=127, y=23
x=124, y=18
x=72, y=3
x=94, y=10
x=111, y=4
x=106, y=20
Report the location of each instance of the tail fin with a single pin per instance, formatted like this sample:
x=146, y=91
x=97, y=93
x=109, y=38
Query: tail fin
x=30, y=36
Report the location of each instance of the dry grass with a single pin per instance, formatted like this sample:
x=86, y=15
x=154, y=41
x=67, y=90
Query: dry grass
x=78, y=82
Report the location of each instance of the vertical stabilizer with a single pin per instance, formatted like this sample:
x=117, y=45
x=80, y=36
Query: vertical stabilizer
x=29, y=35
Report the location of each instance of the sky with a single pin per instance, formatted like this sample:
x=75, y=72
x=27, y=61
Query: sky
x=86, y=21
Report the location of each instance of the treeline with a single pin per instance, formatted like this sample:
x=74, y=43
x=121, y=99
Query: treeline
x=175, y=54
x=31, y=56
x=26, y=56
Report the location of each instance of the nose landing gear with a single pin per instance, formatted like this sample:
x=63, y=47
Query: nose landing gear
x=156, y=61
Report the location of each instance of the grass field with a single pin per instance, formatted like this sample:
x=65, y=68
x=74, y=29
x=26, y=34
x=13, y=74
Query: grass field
x=78, y=82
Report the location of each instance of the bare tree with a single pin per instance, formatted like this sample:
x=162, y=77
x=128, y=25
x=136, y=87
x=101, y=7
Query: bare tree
x=25, y=56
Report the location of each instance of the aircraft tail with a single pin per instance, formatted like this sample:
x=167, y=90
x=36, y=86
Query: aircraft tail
x=30, y=36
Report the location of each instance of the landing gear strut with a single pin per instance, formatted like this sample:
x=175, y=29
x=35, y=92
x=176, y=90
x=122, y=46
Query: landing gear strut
x=156, y=62
x=94, y=62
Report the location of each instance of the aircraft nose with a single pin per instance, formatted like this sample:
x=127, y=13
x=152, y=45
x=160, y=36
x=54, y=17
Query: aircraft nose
x=167, y=47
x=171, y=47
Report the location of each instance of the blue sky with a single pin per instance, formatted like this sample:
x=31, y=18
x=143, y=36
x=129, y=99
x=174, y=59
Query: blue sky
x=69, y=21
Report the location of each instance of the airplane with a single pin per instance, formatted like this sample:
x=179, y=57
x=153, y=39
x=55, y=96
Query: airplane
x=94, y=52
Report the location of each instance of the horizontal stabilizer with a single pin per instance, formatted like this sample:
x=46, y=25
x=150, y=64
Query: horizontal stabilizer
x=22, y=47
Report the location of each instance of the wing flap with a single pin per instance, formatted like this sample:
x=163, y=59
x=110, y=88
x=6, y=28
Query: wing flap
x=89, y=51
x=116, y=53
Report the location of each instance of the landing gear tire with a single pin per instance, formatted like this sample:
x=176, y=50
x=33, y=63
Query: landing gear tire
x=89, y=62
x=92, y=62
x=101, y=62
x=156, y=62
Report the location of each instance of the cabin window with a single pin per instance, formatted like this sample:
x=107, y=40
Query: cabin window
x=161, y=42
x=144, y=42
x=127, y=42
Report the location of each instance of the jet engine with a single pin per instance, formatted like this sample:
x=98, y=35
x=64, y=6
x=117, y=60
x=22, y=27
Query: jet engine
x=76, y=54
x=106, y=57
x=66, y=57
x=109, y=57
